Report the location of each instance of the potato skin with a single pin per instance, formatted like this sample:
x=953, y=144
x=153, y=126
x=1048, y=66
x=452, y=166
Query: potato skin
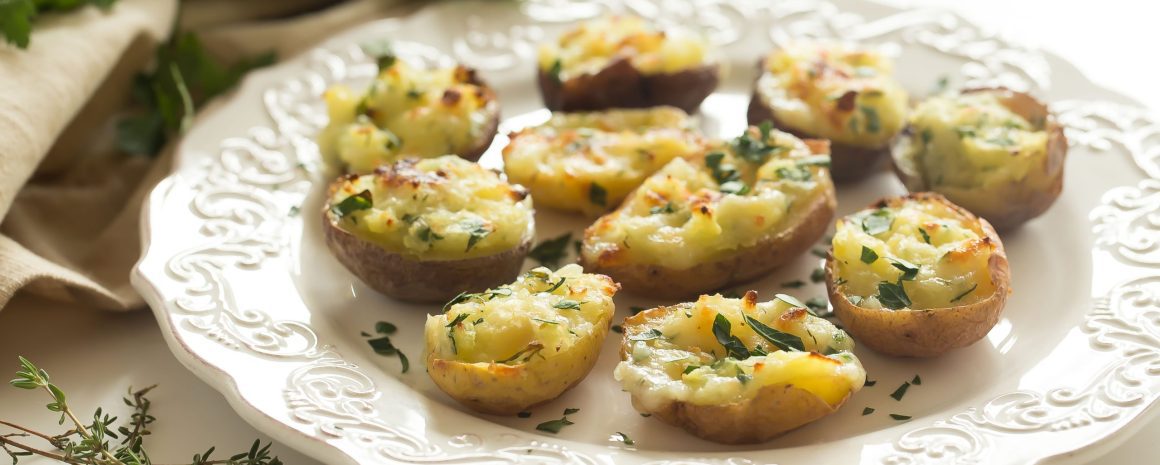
x=620, y=85
x=774, y=411
x=929, y=332
x=492, y=128
x=1009, y=205
x=743, y=265
x=502, y=389
x=848, y=163
x=404, y=278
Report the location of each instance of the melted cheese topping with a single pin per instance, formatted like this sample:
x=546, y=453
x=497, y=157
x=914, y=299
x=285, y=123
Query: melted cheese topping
x=564, y=160
x=435, y=208
x=540, y=315
x=593, y=45
x=834, y=91
x=406, y=112
x=973, y=141
x=677, y=357
x=952, y=257
x=689, y=212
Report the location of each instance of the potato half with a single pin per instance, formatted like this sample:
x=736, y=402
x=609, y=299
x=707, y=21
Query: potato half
x=734, y=370
x=626, y=62
x=425, y=230
x=506, y=349
x=589, y=162
x=917, y=276
x=409, y=112
x=730, y=215
x=832, y=91
x=996, y=152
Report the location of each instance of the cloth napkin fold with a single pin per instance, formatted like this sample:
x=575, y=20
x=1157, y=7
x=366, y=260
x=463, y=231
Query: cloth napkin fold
x=69, y=201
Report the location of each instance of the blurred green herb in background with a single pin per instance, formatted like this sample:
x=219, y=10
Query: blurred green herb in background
x=16, y=16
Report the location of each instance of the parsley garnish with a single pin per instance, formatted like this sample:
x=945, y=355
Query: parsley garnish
x=877, y=222
x=899, y=417
x=554, y=286
x=550, y=252
x=901, y=391
x=382, y=51
x=927, y=135
x=647, y=335
x=618, y=329
x=789, y=299
x=723, y=331
x=554, y=426
x=547, y=322
x=524, y=354
x=458, y=319
x=873, y=125
x=667, y=208
x=893, y=296
x=622, y=438
x=916, y=381
x=567, y=304
x=690, y=369
x=725, y=174
x=425, y=234
x=870, y=382
x=755, y=150
x=796, y=173
x=818, y=275
x=925, y=236
x=793, y=284
x=554, y=71
x=817, y=304
x=867, y=411
x=524, y=414
x=354, y=203
x=383, y=346
x=965, y=132
x=477, y=231
x=598, y=195
x=964, y=294
x=782, y=340
x=868, y=255
x=909, y=270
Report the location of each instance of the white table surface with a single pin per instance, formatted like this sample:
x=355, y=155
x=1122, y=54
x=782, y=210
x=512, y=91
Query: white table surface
x=96, y=356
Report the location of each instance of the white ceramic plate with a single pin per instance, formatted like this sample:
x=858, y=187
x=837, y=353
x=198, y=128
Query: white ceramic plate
x=250, y=300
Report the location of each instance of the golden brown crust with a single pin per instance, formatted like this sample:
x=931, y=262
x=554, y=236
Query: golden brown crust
x=620, y=85
x=413, y=280
x=1008, y=205
x=929, y=332
x=774, y=411
x=848, y=163
x=744, y=265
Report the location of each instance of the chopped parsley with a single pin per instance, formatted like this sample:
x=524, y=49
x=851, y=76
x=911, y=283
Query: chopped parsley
x=870, y=382
x=909, y=270
x=926, y=135
x=734, y=187
x=782, y=340
x=567, y=304
x=867, y=411
x=383, y=346
x=873, y=124
x=965, y=293
x=789, y=299
x=621, y=437
x=598, y=195
x=647, y=335
x=793, y=284
x=618, y=329
x=868, y=255
x=901, y=391
x=425, y=234
x=899, y=417
x=554, y=71
x=569, y=411
x=667, y=208
x=877, y=222
x=965, y=132
x=547, y=322
x=893, y=296
x=382, y=51
x=476, y=231
x=755, y=150
x=550, y=252
x=916, y=381
x=925, y=236
x=458, y=319
x=725, y=174
x=554, y=426
x=795, y=173
x=354, y=203
x=690, y=369
x=524, y=354
x=295, y=210
x=723, y=331
x=524, y=414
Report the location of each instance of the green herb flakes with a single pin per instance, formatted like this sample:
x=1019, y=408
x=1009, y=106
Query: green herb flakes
x=898, y=417
x=723, y=331
x=782, y=340
x=867, y=411
x=357, y=202
x=869, y=255
x=621, y=437
x=900, y=392
x=965, y=293
x=550, y=252
x=598, y=195
x=893, y=296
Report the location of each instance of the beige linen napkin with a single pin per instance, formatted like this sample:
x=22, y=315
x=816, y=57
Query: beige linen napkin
x=69, y=202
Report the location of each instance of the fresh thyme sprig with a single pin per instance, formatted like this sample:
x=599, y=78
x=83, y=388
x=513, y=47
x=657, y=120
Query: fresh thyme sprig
x=90, y=443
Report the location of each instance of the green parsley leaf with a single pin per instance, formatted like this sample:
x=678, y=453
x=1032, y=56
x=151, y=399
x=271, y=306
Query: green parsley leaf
x=901, y=391
x=384, y=327
x=458, y=319
x=384, y=346
x=793, y=284
x=524, y=414
x=598, y=195
x=550, y=252
x=647, y=335
x=476, y=231
x=554, y=71
x=354, y=203
x=667, y=208
x=873, y=124
x=690, y=369
x=796, y=173
x=877, y=222
x=899, y=417
x=925, y=236
x=554, y=426
x=916, y=381
x=755, y=150
x=16, y=21
x=870, y=382
x=567, y=304
x=569, y=411
x=868, y=255
x=867, y=411
x=893, y=296
x=818, y=275
x=909, y=270
x=622, y=438
x=789, y=299
x=524, y=354
x=734, y=187
x=965, y=293
x=723, y=331
x=618, y=329
x=782, y=340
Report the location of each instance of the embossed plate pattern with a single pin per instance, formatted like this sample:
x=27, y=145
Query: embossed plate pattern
x=249, y=299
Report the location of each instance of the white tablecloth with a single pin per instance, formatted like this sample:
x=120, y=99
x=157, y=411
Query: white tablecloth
x=95, y=356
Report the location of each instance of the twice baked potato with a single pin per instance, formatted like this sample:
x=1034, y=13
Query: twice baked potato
x=626, y=62
x=735, y=370
x=425, y=230
x=996, y=152
x=408, y=112
x=511, y=347
x=732, y=214
x=917, y=276
x=589, y=162
x=832, y=91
